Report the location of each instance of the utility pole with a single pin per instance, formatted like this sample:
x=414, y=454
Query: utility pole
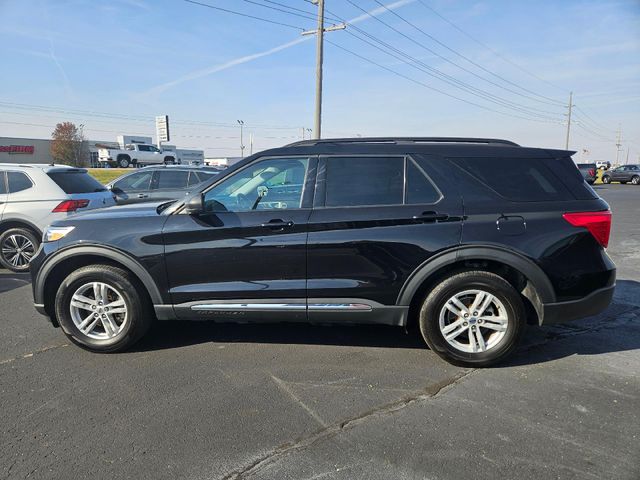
x=566, y=143
x=241, y=123
x=618, y=143
x=317, y=123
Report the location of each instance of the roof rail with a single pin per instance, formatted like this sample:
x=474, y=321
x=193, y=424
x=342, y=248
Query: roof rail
x=396, y=140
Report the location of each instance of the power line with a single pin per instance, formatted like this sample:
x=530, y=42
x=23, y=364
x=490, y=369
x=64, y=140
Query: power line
x=496, y=53
x=592, y=121
x=547, y=100
x=418, y=82
x=244, y=15
x=446, y=77
x=423, y=67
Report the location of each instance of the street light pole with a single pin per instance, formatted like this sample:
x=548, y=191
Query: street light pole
x=241, y=123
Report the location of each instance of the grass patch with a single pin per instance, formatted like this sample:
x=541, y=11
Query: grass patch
x=105, y=175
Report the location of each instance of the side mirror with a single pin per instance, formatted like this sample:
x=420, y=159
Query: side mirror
x=115, y=190
x=194, y=206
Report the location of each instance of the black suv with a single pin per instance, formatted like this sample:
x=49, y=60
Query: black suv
x=467, y=239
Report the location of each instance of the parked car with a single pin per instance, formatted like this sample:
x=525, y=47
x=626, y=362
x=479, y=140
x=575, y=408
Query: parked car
x=159, y=183
x=623, y=174
x=588, y=171
x=136, y=154
x=468, y=239
x=33, y=196
x=603, y=165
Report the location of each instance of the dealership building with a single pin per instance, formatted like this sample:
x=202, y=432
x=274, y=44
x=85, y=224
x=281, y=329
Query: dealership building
x=38, y=150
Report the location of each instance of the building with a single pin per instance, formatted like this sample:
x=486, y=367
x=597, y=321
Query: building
x=222, y=161
x=38, y=150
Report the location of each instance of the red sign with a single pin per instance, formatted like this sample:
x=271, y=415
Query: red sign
x=17, y=149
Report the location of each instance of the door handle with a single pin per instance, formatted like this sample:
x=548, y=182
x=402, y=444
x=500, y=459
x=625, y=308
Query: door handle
x=430, y=216
x=143, y=195
x=277, y=224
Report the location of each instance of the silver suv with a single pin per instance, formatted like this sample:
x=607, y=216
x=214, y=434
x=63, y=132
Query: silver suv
x=32, y=196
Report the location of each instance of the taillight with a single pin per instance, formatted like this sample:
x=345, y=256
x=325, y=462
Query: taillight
x=70, y=205
x=598, y=224
x=592, y=172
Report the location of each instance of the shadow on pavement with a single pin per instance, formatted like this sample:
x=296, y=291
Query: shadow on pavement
x=10, y=280
x=539, y=343
x=611, y=331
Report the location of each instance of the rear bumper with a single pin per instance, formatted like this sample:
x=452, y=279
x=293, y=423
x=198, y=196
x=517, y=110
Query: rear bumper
x=592, y=304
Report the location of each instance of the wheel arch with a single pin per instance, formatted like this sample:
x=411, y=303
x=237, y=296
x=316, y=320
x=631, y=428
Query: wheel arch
x=8, y=223
x=59, y=265
x=527, y=277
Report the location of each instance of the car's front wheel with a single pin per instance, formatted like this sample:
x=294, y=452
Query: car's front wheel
x=103, y=308
x=17, y=248
x=606, y=179
x=635, y=180
x=472, y=319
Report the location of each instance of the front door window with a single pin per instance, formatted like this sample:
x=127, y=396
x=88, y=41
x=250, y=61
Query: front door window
x=270, y=184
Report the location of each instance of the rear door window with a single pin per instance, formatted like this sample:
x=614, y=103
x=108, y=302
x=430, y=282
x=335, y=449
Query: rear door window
x=420, y=188
x=76, y=182
x=518, y=179
x=172, y=179
x=18, y=182
x=3, y=185
x=361, y=181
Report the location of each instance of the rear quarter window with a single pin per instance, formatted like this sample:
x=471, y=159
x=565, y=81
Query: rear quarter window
x=517, y=179
x=76, y=182
x=18, y=182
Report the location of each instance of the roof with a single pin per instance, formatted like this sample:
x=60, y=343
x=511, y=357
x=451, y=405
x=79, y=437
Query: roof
x=46, y=167
x=404, y=140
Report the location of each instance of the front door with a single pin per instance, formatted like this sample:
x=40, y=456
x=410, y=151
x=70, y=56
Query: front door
x=245, y=256
x=376, y=219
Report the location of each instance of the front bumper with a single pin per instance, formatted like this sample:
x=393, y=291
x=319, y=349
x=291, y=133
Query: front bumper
x=592, y=304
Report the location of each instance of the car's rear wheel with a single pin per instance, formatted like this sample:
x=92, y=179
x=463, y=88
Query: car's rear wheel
x=124, y=162
x=606, y=179
x=472, y=319
x=169, y=161
x=635, y=180
x=103, y=308
x=17, y=248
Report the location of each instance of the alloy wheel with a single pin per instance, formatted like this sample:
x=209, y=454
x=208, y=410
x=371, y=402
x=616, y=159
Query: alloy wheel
x=473, y=321
x=18, y=250
x=98, y=310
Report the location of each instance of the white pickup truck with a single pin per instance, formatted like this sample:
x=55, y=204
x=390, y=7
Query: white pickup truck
x=136, y=154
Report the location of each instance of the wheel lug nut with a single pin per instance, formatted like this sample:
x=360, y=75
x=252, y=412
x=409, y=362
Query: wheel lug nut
x=96, y=315
x=465, y=324
x=475, y=314
x=93, y=306
x=473, y=327
x=466, y=315
x=479, y=320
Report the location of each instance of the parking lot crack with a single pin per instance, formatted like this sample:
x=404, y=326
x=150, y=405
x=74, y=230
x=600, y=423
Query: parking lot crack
x=271, y=456
x=31, y=354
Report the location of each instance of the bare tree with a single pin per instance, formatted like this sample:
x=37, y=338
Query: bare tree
x=68, y=146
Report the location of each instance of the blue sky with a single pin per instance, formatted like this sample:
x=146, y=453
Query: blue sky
x=124, y=61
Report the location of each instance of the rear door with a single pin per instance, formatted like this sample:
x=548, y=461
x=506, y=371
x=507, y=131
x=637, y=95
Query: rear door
x=375, y=220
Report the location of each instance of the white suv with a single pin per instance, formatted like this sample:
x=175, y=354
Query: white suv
x=32, y=196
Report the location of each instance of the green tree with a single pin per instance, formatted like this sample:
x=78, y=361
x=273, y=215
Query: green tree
x=68, y=146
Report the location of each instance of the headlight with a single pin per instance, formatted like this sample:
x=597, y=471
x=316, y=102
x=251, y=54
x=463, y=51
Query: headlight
x=51, y=234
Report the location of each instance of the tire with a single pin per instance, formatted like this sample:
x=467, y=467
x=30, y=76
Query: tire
x=606, y=179
x=121, y=330
x=169, y=161
x=500, y=339
x=635, y=180
x=17, y=247
x=124, y=162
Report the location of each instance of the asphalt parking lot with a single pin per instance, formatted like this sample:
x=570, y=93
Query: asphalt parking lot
x=206, y=401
